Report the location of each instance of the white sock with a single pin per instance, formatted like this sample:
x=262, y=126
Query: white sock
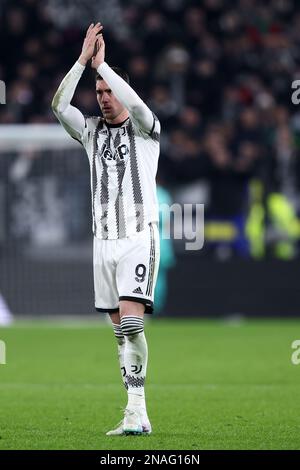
x=121, y=348
x=135, y=359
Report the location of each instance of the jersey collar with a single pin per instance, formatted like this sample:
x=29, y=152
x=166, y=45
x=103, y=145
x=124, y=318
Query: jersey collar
x=120, y=124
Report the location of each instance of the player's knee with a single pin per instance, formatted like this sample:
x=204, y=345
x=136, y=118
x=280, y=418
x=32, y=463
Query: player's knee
x=130, y=308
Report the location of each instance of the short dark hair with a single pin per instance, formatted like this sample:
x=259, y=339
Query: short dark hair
x=119, y=71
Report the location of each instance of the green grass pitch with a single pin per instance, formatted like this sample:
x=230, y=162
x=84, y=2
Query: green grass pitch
x=211, y=385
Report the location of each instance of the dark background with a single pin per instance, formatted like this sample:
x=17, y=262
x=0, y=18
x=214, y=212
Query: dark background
x=218, y=74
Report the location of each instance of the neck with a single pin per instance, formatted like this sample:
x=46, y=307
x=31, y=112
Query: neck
x=120, y=118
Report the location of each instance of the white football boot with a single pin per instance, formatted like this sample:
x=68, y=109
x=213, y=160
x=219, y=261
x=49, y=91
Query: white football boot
x=118, y=431
x=134, y=423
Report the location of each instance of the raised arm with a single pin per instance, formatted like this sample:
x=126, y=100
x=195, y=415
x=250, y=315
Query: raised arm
x=69, y=116
x=136, y=107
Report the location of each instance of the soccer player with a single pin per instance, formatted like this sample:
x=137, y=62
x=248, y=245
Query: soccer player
x=123, y=150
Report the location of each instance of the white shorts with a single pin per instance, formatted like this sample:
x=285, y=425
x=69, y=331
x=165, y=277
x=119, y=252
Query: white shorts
x=126, y=269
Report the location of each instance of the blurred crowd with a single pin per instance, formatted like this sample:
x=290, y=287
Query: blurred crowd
x=217, y=73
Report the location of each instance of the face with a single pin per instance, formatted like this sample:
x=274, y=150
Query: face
x=111, y=108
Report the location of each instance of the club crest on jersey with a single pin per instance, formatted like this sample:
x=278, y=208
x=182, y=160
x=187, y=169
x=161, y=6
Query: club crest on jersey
x=120, y=153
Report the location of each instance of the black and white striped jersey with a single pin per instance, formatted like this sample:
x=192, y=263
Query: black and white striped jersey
x=123, y=163
x=123, y=158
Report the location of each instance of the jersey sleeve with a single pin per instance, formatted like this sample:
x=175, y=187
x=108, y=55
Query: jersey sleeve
x=156, y=128
x=141, y=115
x=70, y=117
